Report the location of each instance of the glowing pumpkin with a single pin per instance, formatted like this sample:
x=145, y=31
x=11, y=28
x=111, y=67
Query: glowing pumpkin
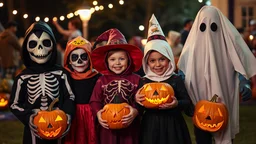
x=157, y=94
x=113, y=113
x=51, y=123
x=210, y=115
x=4, y=100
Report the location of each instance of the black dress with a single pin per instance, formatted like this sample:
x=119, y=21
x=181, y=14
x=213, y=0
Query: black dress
x=166, y=126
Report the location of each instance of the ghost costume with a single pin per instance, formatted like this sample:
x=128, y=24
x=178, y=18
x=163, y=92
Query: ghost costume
x=41, y=81
x=82, y=129
x=213, y=56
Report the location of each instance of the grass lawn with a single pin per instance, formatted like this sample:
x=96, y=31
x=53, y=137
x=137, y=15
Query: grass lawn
x=11, y=131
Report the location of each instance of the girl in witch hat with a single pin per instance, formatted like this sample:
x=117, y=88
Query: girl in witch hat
x=77, y=61
x=166, y=124
x=117, y=61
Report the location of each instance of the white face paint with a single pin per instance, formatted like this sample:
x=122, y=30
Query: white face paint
x=40, y=49
x=79, y=60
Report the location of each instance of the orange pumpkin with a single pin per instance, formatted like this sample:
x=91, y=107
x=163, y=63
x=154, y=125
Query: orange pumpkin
x=113, y=113
x=4, y=100
x=156, y=94
x=210, y=116
x=51, y=123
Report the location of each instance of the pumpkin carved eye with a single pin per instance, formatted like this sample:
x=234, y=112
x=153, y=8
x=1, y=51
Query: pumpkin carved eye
x=148, y=88
x=163, y=88
x=201, y=110
x=42, y=120
x=58, y=118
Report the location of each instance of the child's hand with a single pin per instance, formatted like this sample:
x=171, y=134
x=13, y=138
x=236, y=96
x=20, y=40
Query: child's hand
x=102, y=122
x=127, y=119
x=139, y=97
x=173, y=104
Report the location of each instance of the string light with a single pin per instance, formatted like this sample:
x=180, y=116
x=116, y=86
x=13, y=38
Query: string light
x=55, y=19
x=70, y=15
x=92, y=10
x=110, y=6
x=14, y=12
x=37, y=18
x=25, y=16
x=46, y=19
x=101, y=7
x=62, y=18
x=141, y=28
x=95, y=3
x=97, y=8
x=121, y=2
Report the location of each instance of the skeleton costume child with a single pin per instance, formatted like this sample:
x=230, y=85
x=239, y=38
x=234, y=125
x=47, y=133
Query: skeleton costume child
x=77, y=61
x=163, y=126
x=212, y=58
x=112, y=85
x=40, y=83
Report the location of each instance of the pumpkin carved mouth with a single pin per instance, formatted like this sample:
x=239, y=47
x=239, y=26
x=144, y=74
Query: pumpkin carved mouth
x=217, y=126
x=158, y=100
x=51, y=133
x=3, y=102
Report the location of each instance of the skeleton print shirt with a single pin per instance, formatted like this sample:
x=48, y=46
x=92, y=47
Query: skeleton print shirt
x=38, y=90
x=110, y=86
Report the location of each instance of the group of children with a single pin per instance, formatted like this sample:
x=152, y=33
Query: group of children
x=97, y=78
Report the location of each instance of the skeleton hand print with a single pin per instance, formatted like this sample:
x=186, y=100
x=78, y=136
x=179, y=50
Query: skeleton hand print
x=79, y=60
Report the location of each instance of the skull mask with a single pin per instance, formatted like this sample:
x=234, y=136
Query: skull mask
x=40, y=47
x=79, y=60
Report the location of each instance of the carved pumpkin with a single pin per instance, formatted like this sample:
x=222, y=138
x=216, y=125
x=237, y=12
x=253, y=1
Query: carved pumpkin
x=156, y=94
x=113, y=113
x=4, y=100
x=210, y=115
x=51, y=123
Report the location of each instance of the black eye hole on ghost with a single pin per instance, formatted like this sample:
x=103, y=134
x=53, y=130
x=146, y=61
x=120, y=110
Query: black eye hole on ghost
x=202, y=27
x=214, y=27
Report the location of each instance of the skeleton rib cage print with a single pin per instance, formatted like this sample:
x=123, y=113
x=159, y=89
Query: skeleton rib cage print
x=41, y=86
x=122, y=88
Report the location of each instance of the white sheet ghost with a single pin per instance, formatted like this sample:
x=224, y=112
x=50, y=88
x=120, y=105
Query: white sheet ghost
x=213, y=56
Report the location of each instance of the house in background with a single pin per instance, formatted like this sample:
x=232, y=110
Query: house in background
x=239, y=12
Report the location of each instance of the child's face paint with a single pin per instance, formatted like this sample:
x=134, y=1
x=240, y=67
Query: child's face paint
x=79, y=60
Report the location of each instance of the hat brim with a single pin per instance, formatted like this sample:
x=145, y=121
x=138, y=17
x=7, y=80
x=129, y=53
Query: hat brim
x=98, y=56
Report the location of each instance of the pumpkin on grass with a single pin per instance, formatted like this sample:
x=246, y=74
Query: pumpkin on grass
x=210, y=116
x=4, y=100
x=156, y=93
x=114, y=113
x=51, y=124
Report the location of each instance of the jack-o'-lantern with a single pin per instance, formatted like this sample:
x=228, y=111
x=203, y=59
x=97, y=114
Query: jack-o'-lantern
x=51, y=123
x=156, y=94
x=113, y=113
x=4, y=100
x=210, y=116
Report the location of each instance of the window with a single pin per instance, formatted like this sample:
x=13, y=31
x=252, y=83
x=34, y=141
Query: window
x=247, y=15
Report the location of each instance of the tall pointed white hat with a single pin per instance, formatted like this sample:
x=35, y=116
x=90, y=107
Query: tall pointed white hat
x=156, y=41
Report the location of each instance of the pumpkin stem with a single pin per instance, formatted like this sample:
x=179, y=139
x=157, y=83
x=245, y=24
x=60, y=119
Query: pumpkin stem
x=52, y=104
x=214, y=98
